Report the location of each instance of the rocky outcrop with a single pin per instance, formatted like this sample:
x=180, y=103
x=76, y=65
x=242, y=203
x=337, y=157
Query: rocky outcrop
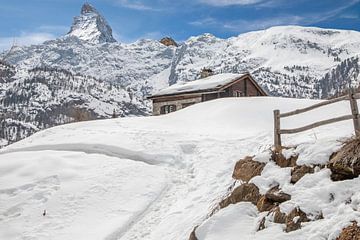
x=345, y=164
x=351, y=232
x=271, y=199
x=277, y=195
x=282, y=161
x=247, y=168
x=193, y=235
x=294, y=219
x=264, y=204
x=168, y=41
x=247, y=192
x=299, y=171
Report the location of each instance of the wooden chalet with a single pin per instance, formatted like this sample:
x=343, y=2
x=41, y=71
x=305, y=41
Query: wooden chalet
x=182, y=95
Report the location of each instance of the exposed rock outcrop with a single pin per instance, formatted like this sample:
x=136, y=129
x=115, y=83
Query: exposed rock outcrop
x=168, y=41
x=299, y=171
x=282, y=161
x=294, y=219
x=193, y=235
x=247, y=192
x=277, y=195
x=351, y=232
x=247, y=168
x=345, y=164
x=264, y=204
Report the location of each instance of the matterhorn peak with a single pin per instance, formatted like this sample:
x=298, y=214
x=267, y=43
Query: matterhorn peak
x=87, y=8
x=91, y=26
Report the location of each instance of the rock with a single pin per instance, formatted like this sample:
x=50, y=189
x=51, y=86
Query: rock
x=247, y=192
x=247, y=168
x=281, y=161
x=274, y=215
x=294, y=219
x=261, y=224
x=351, y=232
x=299, y=171
x=345, y=164
x=168, y=41
x=278, y=216
x=193, y=235
x=277, y=195
x=264, y=204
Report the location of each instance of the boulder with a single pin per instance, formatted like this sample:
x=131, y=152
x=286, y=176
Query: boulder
x=278, y=216
x=281, y=161
x=345, y=164
x=264, y=204
x=294, y=219
x=168, y=41
x=274, y=215
x=277, y=195
x=247, y=168
x=351, y=232
x=299, y=171
x=247, y=192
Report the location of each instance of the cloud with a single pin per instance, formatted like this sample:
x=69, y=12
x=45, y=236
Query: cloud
x=243, y=25
x=136, y=5
x=25, y=38
x=222, y=3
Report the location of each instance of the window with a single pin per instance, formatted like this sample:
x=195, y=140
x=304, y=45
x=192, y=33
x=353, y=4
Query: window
x=239, y=94
x=167, y=109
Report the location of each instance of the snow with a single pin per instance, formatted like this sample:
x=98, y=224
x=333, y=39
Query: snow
x=159, y=177
x=209, y=83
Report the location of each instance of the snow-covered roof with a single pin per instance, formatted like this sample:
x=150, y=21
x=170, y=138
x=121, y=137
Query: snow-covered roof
x=209, y=83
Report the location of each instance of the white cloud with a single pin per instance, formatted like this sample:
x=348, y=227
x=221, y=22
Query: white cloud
x=136, y=5
x=243, y=25
x=221, y=3
x=25, y=38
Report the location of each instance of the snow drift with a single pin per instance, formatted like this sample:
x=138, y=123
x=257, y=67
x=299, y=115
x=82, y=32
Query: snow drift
x=158, y=177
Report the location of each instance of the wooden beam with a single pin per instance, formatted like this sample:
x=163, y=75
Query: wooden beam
x=277, y=136
x=357, y=95
x=302, y=110
x=355, y=113
x=317, y=124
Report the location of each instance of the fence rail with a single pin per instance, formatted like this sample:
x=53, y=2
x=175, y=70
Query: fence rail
x=354, y=115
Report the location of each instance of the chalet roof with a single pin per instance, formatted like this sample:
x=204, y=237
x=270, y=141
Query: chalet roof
x=211, y=83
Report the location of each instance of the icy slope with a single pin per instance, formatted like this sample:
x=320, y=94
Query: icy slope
x=146, y=177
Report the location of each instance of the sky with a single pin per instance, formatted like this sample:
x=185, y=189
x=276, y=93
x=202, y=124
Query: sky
x=26, y=22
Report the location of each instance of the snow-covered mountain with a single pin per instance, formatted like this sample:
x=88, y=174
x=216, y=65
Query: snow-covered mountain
x=91, y=26
x=39, y=98
x=286, y=61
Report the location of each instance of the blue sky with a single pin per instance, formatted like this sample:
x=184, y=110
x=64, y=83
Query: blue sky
x=33, y=21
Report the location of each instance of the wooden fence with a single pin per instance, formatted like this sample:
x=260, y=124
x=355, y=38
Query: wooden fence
x=354, y=115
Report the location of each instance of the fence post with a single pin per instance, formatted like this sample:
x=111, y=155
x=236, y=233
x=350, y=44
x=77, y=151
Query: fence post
x=355, y=113
x=277, y=136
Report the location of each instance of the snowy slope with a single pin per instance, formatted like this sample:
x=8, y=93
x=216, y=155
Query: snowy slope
x=158, y=177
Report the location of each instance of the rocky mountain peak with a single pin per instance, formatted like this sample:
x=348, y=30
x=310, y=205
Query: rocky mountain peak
x=87, y=8
x=168, y=41
x=91, y=26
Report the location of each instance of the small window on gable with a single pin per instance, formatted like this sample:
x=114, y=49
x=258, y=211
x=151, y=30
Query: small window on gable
x=239, y=94
x=167, y=109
